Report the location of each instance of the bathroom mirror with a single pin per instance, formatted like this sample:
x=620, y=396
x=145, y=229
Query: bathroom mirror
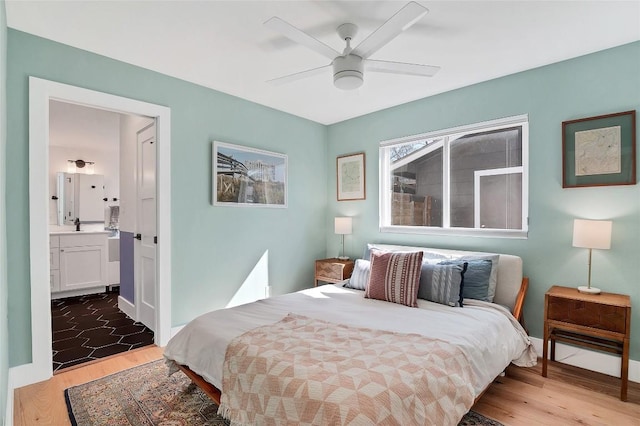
x=80, y=196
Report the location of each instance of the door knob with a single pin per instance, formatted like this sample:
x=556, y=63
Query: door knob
x=138, y=237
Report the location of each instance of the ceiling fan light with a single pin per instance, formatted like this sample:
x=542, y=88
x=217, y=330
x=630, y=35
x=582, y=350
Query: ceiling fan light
x=347, y=72
x=348, y=80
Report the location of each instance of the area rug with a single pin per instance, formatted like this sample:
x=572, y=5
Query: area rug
x=146, y=395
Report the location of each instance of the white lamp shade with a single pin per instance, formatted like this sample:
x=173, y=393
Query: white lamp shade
x=343, y=225
x=594, y=234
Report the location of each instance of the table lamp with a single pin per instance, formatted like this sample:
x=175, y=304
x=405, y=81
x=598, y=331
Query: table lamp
x=342, y=227
x=591, y=234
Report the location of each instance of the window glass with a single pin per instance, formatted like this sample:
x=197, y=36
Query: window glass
x=417, y=190
x=470, y=179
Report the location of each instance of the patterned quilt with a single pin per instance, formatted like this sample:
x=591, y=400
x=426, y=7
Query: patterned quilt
x=304, y=371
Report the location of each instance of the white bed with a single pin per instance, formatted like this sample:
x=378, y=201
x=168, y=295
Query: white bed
x=486, y=330
x=488, y=334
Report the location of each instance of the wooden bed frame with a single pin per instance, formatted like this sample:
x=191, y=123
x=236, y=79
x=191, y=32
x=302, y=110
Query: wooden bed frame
x=214, y=393
x=211, y=391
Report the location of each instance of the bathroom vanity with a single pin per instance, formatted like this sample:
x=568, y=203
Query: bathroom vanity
x=78, y=262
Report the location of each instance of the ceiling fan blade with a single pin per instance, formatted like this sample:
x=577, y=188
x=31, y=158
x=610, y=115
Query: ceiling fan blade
x=403, y=19
x=401, y=68
x=301, y=37
x=298, y=76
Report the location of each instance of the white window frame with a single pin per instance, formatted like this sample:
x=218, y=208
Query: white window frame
x=450, y=135
x=476, y=188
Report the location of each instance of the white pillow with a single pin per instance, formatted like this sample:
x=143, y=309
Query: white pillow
x=360, y=275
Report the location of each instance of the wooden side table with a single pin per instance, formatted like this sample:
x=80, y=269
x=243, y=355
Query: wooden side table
x=595, y=321
x=333, y=270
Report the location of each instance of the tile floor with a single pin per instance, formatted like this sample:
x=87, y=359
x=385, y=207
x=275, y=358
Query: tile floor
x=87, y=328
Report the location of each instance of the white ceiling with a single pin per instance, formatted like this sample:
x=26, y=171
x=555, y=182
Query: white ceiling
x=223, y=44
x=73, y=126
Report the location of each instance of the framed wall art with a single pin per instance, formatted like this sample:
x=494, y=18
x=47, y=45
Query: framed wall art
x=351, y=177
x=599, y=151
x=249, y=177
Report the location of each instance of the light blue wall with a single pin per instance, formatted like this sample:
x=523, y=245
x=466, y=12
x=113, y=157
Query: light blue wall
x=600, y=83
x=4, y=336
x=214, y=248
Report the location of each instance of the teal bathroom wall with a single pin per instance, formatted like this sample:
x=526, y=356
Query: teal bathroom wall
x=595, y=84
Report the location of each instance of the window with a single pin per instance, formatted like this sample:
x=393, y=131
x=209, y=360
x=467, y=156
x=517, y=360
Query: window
x=469, y=180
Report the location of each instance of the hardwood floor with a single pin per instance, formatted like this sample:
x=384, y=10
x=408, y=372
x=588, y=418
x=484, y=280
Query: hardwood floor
x=43, y=403
x=569, y=396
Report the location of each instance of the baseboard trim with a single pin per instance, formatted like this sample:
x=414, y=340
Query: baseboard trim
x=79, y=292
x=8, y=413
x=26, y=374
x=127, y=307
x=19, y=376
x=590, y=360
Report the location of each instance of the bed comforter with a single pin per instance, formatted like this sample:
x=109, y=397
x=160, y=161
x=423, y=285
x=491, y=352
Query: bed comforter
x=487, y=334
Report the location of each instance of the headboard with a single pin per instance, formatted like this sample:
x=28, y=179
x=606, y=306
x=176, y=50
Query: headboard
x=509, y=279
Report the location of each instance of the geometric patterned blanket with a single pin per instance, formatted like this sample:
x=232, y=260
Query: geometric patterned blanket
x=310, y=372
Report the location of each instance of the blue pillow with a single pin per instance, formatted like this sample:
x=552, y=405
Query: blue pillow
x=493, y=279
x=477, y=279
x=442, y=283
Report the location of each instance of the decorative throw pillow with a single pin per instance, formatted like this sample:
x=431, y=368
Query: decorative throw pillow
x=443, y=282
x=477, y=280
x=394, y=277
x=493, y=278
x=360, y=275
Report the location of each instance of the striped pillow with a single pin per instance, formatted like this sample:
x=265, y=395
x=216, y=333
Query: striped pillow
x=443, y=283
x=359, y=276
x=395, y=277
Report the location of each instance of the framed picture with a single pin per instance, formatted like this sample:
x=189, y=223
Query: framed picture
x=599, y=151
x=351, y=177
x=248, y=177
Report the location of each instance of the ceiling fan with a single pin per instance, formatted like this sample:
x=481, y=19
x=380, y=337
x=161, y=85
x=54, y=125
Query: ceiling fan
x=349, y=66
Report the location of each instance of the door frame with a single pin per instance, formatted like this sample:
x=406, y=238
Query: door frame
x=40, y=92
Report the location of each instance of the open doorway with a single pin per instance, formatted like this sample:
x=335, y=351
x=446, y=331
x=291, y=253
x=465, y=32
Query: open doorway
x=93, y=174
x=40, y=93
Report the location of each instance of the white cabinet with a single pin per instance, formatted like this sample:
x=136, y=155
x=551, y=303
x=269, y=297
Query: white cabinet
x=82, y=259
x=54, y=263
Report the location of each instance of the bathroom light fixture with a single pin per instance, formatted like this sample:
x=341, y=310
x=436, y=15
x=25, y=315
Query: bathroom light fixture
x=591, y=234
x=74, y=165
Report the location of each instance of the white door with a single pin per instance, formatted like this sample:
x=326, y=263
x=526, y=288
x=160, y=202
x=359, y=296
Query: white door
x=145, y=246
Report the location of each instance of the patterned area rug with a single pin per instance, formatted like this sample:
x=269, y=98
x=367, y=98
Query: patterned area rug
x=145, y=395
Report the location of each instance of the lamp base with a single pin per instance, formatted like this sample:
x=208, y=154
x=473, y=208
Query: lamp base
x=343, y=257
x=589, y=290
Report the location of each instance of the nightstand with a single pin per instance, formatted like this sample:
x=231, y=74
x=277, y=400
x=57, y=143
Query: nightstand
x=333, y=270
x=596, y=321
